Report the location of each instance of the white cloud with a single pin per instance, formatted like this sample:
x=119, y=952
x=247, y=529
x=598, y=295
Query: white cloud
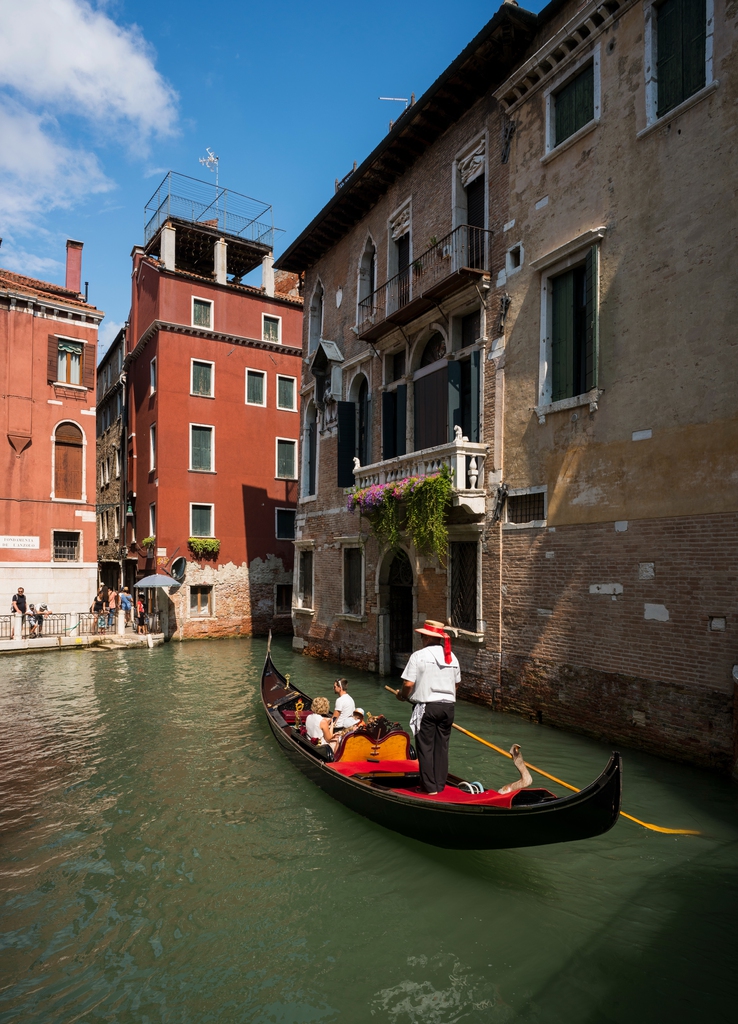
x=106, y=336
x=64, y=60
x=69, y=57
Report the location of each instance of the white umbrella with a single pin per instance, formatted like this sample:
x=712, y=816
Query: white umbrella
x=157, y=580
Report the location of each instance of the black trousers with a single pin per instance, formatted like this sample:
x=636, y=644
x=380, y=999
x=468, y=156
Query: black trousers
x=431, y=741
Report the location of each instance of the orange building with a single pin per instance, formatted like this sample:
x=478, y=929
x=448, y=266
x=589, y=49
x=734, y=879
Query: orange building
x=213, y=383
x=48, y=348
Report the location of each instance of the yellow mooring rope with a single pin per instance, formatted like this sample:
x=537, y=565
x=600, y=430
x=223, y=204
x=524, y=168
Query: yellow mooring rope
x=560, y=782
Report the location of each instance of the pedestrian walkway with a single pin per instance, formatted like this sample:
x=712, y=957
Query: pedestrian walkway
x=69, y=630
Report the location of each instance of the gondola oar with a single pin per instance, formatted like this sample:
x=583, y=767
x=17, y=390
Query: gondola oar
x=560, y=782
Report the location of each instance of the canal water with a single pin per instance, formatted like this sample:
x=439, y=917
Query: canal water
x=163, y=862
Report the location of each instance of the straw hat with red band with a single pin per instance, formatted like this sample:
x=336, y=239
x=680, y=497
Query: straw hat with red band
x=433, y=628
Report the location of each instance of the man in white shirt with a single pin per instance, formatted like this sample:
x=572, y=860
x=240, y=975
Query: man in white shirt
x=343, y=715
x=429, y=681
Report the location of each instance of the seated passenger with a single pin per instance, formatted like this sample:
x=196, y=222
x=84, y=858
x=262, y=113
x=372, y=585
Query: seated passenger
x=344, y=706
x=317, y=727
x=358, y=717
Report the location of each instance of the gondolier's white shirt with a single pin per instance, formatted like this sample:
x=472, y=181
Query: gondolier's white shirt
x=434, y=680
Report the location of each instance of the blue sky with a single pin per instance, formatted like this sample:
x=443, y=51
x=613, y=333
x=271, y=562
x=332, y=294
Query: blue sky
x=99, y=100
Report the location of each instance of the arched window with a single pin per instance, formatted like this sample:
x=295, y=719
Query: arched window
x=315, y=323
x=367, y=282
x=310, y=450
x=68, y=461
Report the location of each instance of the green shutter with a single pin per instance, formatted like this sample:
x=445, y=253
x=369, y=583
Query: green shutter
x=285, y=393
x=255, y=388
x=286, y=459
x=454, y=397
x=346, y=444
x=401, y=419
x=202, y=438
x=574, y=104
x=562, y=337
x=201, y=521
x=668, y=56
x=591, y=336
x=201, y=379
x=475, y=375
x=694, y=27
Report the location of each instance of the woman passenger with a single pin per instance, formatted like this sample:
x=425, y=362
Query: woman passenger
x=317, y=727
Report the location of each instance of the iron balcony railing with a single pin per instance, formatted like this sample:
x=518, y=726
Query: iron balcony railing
x=202, y=202
x=464, y=248
x=67, y=624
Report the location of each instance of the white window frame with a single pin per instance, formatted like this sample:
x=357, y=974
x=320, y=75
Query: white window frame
x=300, y=547
x=571, y=254
x=593, y=57
x=392, y=255
x=201, y=298
x=460, y=535
x=152, y=448
x=534, y=524
x=510, y=268
x=352, y=544
x=203, y=504
x=651, y=52
x=282, y=508
x=63, y=383
x=286, y=408
x=80, y=540
x=211, y=428
x=117, y=463
x=459, y=212
x=294, y=441
x=152, y=375
x=152, y=519
x=315, y=321
x=205, y=362
x=305, y=449
x=253, y=369
x=116, y=522
x=272, y=316
x=211, y=615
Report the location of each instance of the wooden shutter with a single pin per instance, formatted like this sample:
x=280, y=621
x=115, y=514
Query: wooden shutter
x=694, y=24
x=431, y=410
x=475, y=202
x=454, y=397
x=389, y=425
x=474, y=391
x=562, y=337
x=88, y=367
x=574, y=104
x=346, y=444
x=590, y=342
x=52, y=359
x=669, y=56
x=68, y=455
x=401, y=419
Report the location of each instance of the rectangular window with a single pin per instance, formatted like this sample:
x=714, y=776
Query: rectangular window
x=201, y=448
x=305, y=580
x=526, y=508
x=470, y=328
x=152, y=376
x=116, y=522
x=285, y=525
x=201, y=520
x=105, y=526
x=117, y=464
x=573, y=330
x=255, y=387
x=152, y=448
x=395, y=366
x=201, y=601
x=574, y=105
x=69, y=365
x=352, y=581
x=271, y=328
x=283, y=599
x=286, y=459
x=394, y=422
x=202, y=313
x=464, y=584
x=680, y=51
x=286, y=393
x=202, y=378
x=66, y=546
x=152, y=519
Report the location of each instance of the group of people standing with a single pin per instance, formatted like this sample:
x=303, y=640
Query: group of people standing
x=105, y=607
x=32, y=616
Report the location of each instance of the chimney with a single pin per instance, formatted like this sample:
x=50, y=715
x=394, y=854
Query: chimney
x=74, y=266
x=267, y=274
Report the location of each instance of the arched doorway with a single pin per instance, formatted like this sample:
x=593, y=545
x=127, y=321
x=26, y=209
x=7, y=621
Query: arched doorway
x=400, y=611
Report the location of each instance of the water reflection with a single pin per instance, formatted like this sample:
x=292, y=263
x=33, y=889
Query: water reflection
x=161, y=861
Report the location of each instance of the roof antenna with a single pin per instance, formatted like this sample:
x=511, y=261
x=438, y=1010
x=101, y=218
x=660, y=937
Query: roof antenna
x=399, y=99
x=211, y=161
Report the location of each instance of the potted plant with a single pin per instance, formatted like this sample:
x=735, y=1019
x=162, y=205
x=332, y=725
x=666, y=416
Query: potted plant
x=204, y=547
x=149, y=543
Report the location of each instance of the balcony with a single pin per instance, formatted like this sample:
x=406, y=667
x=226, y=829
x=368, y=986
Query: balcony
x=449, y=265
x=464, y=458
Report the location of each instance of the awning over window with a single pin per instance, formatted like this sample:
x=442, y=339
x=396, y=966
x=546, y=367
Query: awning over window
x=74, y=347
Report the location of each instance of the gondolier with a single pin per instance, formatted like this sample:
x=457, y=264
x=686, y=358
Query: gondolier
x=429, y=681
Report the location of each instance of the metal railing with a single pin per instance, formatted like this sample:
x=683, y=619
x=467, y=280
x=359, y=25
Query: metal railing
x=202, y=202
x=67, y=624
x=464, y=247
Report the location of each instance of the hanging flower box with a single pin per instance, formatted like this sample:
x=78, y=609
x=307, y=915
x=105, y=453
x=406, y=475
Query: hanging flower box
x=204, y=547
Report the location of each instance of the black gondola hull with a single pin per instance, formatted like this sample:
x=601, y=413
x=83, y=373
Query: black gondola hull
x=582, y=815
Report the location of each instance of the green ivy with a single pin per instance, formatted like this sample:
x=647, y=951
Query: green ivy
x=204, y=547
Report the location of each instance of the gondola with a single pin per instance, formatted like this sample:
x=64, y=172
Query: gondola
x=375, y=772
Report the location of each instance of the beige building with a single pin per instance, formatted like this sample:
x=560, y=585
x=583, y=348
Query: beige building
x=536, y=255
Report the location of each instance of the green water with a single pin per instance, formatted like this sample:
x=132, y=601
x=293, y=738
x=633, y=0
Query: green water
x=163, y=862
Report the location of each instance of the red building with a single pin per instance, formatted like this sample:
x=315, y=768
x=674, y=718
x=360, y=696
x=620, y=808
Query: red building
x=213, y=383
x=48, y=348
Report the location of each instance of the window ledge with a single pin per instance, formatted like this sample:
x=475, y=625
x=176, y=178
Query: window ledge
x=465, y=635
x=196, y=394
x=285, y=408
x=207, y=472
x=306, y=498
x=346, y=617
x=70, y=387
x=534, y=524
x=578, y=134
x=303, y=611
x=591, y=398
x=662, y=121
